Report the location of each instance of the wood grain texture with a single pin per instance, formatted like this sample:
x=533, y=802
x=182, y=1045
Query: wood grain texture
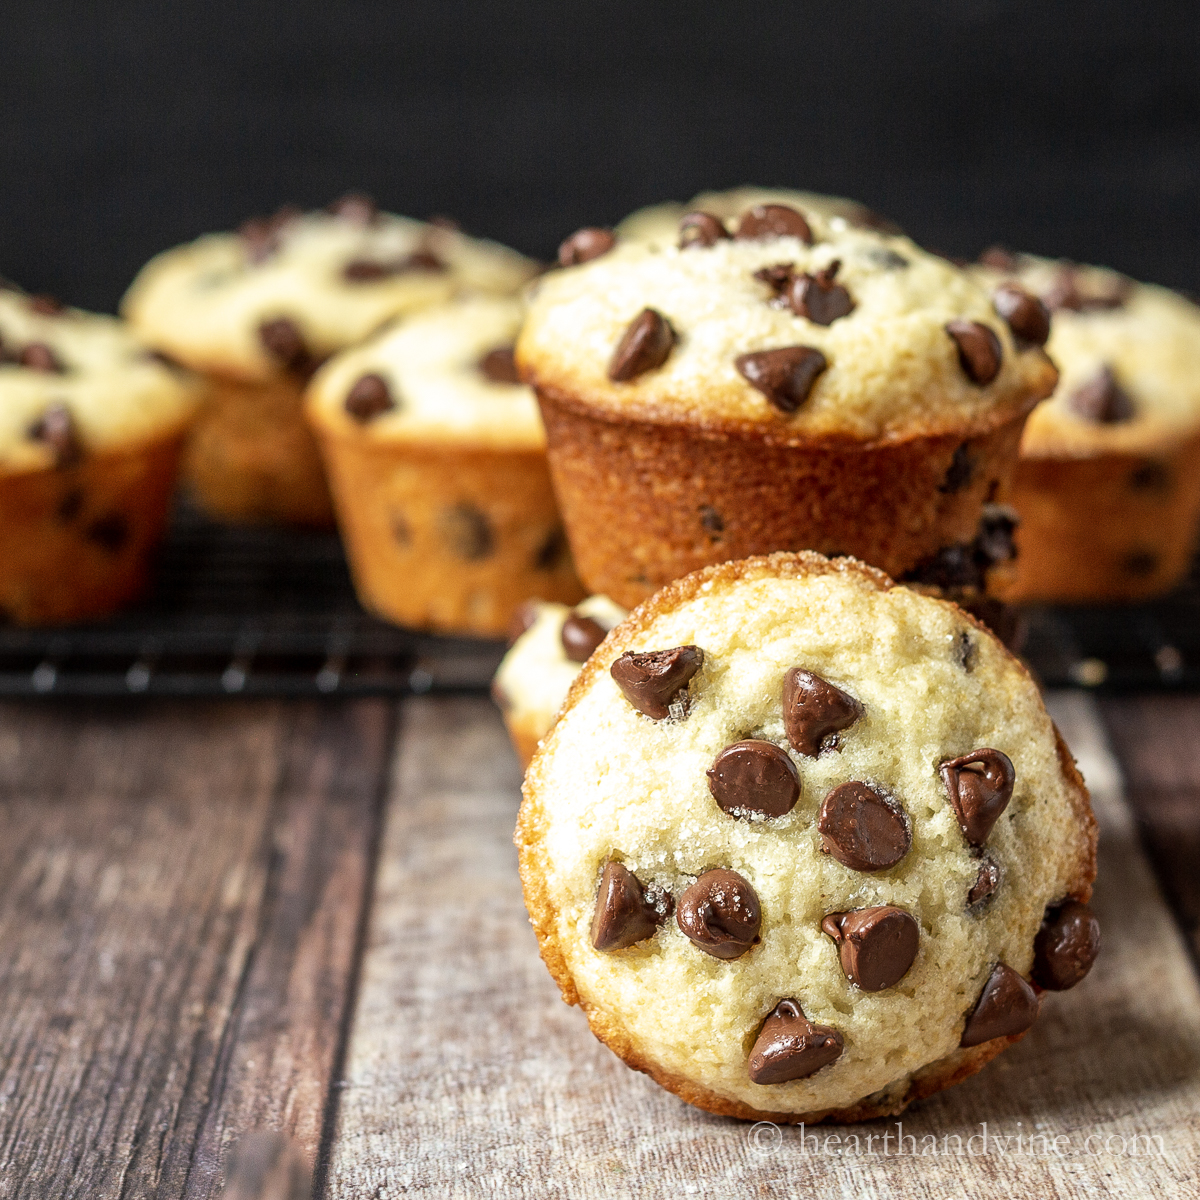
x=467, y=1076
x=1157, y=739
x=183, y=888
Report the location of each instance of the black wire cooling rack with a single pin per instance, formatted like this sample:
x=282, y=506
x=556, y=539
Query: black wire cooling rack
x=257, y=611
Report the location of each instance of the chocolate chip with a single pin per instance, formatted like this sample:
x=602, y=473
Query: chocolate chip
x=1006, y=1006
x=584, y=245
x=46, y=306
x=401, y=530
x=966, y=651
x=1140, y=563
x=1066, y=946
x=37, y=356
x=1026, y=315
x=283, y=341
x=467, y=532
x=552, y=551
x=987, y=880
x=367, y=270
x=355, y=208
x=876, y=946
x=499, y=365
x=580, y=636
x=1151, y=476
x=999, y=259
x=712, y=521
x=70, y=506
x=651, y=679
x=110, y=532
x=644, y=346
x=626, y=912
x=966, y=564
x=772, y=221
x=1066, y=292
x=369, y=397
x=863, y=829
x=885, y=259
x=701, y=229
x=56, y=428
x=720, y=914
x=785, y=376
x=813, y=709
x=789, y=1046
x=1101, y=399
x=754, y=778
x=980, y=785
x=778, y=277
x=262, y=234
x=818, y=298
x=979, y=350
x=961, y=470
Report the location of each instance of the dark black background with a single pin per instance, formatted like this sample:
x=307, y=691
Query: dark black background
x=1069, y=128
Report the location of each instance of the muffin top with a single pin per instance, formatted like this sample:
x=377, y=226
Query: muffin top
x=798, y=327
x=73, y=381
x=843, y=806
x=1128, y=355
x=284, y=293
x=445, y=375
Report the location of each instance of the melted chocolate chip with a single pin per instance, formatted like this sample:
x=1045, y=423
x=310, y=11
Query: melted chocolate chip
x=584, y=245
x=626, y=913
x=523, y=618
x=863, y=829
x=37, y=356
x=785, y=376
x=979, y=351
x=56, y=428
x=818, y=298
x=644, y=346
x=580, y=636
x=1066, y=946
x=966, y=564
x=1153, y=476
x=46, y=306
x=790, y=1046
x=754, y=778
x=552, y=551
x=720, y=914
x=356, y=208
x=366, y=270
x=999, y=259
x=712, y=521
x=650, y=680
x=109, y=532
x=499, y=366
x=986, y=882
x=1006, y=1006
x=961, y=470
x=1140, y=563
x=283, y=341
x=1101, y=400
x=980, y=785
x=1027, y=316
x=772, y=221
x=876, y=946
x=369, y=397
x=467, y=532
x=779, y=279
x=813, y=709
x=701, y=229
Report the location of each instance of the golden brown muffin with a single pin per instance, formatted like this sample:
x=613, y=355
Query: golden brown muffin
x=803, y=383
x=804, y=844
x=256, y=312
x=1108, y=482
x=91, y=429
x=437, y=460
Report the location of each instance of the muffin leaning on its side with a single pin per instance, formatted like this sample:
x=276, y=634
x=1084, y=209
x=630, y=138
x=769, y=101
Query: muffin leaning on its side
x=91, y=431
x=257, y=311
x=801, y=383
x=1108, y=482
x=804, y=844
x=549, y=645
x=437, y=462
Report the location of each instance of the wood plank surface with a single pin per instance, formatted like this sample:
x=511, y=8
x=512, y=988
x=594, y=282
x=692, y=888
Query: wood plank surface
x=467, y=1076
x=182, y=898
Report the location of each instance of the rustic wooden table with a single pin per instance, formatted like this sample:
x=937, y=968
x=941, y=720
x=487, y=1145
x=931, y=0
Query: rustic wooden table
x=232, y=917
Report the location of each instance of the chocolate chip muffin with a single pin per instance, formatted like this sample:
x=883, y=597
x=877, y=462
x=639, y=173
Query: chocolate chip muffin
x=437, y=461
x=782, y=380
x=1108, y=482
x=549, y=643
x=91, y=430
x=804, y=844
x=257, y=311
